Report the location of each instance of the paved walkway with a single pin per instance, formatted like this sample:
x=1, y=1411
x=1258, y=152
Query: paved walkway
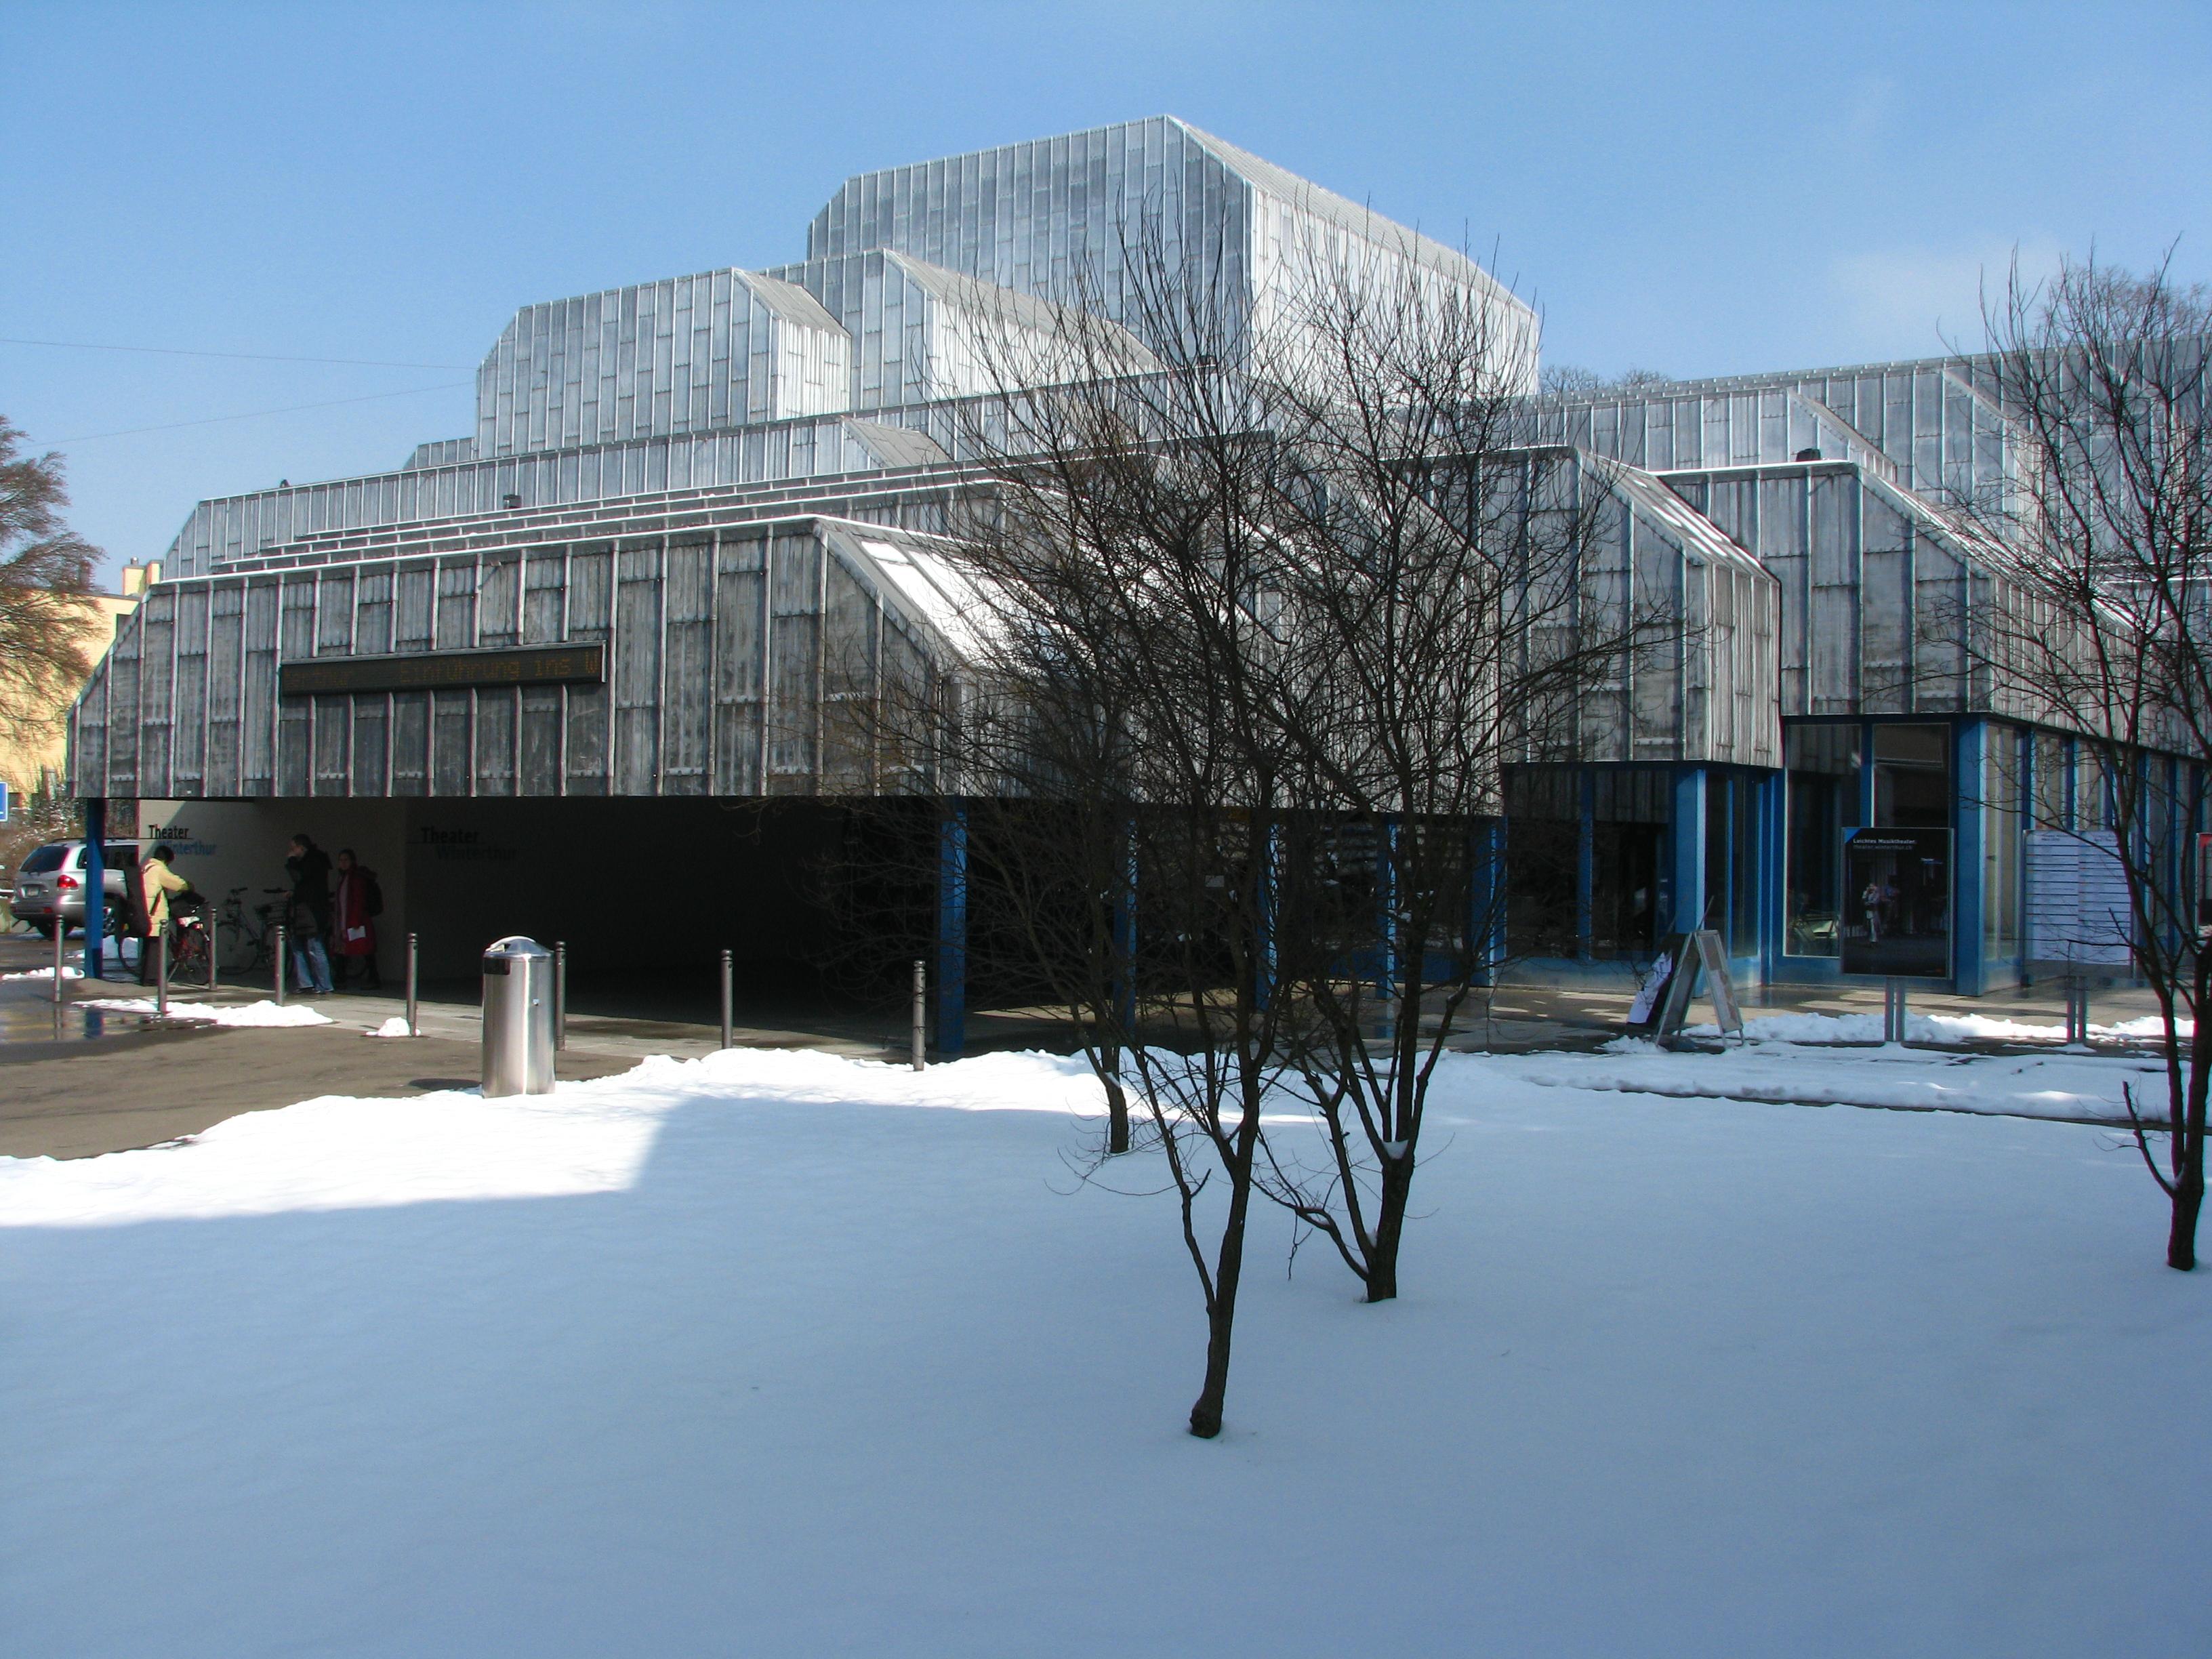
x=77, y=1081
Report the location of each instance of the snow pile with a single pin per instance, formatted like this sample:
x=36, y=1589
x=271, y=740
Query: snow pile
x=787, y=1354
x=2150, y=1025
x=394, y=1027
x=251, y=1013
x=2078, y=1085
x=1921, y=1028
x=47, y=974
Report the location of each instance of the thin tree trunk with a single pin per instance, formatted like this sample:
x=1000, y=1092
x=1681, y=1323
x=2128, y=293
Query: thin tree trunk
x=1220, y=1322
x=2189, y=1144
x=1221, y=1317
x=1390, y=1228
x=2181, y=1239
x=1117, y=1106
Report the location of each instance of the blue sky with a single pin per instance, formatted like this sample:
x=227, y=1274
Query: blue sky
x=1700, y=189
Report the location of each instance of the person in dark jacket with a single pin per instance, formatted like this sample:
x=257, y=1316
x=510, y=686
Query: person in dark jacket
x=308, y=914
x=353, y=923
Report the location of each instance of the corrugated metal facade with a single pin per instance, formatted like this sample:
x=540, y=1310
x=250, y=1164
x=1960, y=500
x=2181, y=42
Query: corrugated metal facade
x=631, y=444
x=734, y=651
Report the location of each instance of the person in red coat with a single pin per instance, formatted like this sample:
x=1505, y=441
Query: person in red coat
x=354, y=910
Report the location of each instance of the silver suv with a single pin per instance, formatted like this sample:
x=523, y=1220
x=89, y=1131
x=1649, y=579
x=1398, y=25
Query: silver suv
x=50, y=885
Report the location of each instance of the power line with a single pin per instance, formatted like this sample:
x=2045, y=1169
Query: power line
x=234, y=356
x=256, y=413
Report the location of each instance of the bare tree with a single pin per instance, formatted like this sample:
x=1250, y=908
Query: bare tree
x=2104, y=530
x=45, y=573
x=1124, y=673
x=1259, y=617
x=1572, y=381
x=1449, y=608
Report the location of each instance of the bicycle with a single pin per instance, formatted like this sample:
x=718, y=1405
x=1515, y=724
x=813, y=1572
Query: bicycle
x=249, y=946
x=189, y=958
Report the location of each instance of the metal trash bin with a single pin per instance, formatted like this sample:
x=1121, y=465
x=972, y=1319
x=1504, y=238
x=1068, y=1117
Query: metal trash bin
x=518, y=1017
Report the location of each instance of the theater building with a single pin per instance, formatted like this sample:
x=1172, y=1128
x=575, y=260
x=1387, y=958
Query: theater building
x=587, y=670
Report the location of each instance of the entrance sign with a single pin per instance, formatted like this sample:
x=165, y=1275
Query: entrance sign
x=1897, y=903
x=2078, y=909
x=444, y=671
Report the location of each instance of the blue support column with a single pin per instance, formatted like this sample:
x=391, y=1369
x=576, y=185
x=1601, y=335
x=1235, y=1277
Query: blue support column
x=951, y=980
x=1774, y=870
x=1486, y=917
x=1866, y=776
x=1266, y=877
x=1688, y=848
x=1585, y=866
x=1386, y=909
x=1969, y=860
x=1125, y=929
x=95, y=887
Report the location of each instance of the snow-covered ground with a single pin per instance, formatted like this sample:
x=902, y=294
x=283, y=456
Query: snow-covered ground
x=782, y=1354
x=214, y=1014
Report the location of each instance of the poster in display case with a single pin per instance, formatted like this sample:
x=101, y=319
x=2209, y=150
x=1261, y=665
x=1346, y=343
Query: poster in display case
x=1897, y=903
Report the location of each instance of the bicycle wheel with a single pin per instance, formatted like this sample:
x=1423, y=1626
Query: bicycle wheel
x=243, y=950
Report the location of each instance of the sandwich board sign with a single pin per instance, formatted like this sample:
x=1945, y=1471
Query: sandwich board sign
x=1663, y=1000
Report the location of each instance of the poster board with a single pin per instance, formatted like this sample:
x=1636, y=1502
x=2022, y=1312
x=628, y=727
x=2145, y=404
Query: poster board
x=2079, y=913
x=1897, y=903
x=1720, y=989
x=1666, y=984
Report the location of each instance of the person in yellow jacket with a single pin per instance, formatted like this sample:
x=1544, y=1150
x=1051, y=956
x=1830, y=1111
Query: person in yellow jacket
x=156, y=881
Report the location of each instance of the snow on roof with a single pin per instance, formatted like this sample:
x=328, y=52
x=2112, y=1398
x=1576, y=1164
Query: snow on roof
x=1701, y=539
x=1004, y=306
x=790, y=302
x=913, y=570
x=896, y=446
x=1349, y=215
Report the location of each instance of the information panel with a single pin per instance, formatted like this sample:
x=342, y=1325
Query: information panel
x=1897, y=903
x=2078, y=909
x=444, y=671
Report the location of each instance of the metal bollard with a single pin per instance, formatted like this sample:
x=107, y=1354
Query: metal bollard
x=413, y=1030
x=215, y=954
x=158, y=939
x=61, y=934
x=920, y=1013
x=560, y=994
x=726, y=1021
x=280, y=964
